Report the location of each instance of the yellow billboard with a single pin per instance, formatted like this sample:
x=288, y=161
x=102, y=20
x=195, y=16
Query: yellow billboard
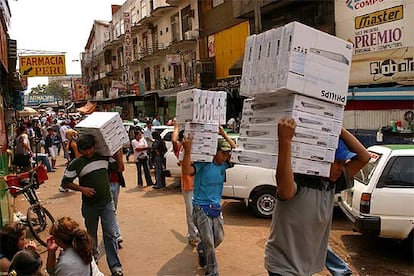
x=42, y=66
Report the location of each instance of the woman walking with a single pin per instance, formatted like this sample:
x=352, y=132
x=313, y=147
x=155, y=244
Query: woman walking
x=140, y=147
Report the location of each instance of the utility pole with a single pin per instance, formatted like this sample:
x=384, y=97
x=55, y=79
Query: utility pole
x=257, y=16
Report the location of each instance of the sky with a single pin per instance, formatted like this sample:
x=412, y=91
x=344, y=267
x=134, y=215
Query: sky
x=56, y=26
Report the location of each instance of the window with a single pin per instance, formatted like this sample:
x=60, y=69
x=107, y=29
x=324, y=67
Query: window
x=365, y=174
x=186, y=19
x=399, y=173
x=143, y=8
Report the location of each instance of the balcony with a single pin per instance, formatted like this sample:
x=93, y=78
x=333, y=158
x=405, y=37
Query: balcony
x=174, y=2
x=146, y=53
x=162, y=10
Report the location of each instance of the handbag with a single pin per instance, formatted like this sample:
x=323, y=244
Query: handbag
x=142, y=158
x=121, y=180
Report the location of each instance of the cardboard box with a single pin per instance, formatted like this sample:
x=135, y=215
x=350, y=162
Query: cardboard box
x=197, y=106
x=300, y=150
x=302, y=119
x=269, y=161
x=314, y=63
x=247, y=66
x=302, y=135
x=272, y=63
x=107, y=129
x=293, y=102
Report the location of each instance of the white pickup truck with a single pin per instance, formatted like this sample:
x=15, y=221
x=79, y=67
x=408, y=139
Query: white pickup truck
x=381, y=203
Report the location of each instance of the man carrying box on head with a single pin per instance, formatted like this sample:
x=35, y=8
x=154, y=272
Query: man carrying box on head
x=209, y=178
x=301, y=222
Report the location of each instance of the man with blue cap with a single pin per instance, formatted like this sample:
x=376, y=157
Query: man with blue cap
x=301, y=222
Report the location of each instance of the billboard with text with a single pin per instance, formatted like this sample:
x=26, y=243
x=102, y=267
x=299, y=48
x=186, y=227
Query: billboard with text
x=383, y=38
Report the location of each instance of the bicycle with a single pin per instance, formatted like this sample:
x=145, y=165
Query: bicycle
x=38, y=219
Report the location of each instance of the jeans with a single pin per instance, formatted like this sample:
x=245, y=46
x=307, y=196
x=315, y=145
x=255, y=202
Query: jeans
x=192, y=232
x=335, y=265
x=211, y=232
x=91, y=215
x=159, y=167
x=143, y=164
x=115, y=195
x=42, y=157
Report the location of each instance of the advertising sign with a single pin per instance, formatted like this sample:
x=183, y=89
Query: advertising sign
x=128, y=39
x=42, y=66
x=38, y=99
x=381, y=31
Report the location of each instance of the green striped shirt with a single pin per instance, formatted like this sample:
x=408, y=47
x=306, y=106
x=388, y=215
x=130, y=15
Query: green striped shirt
x=93, y=173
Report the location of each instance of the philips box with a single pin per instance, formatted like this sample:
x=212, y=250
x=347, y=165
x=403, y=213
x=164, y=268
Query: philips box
x=302, y=135
x=288, y=102
x=247, y=66
x=107, y=129
x=272, y=63
x=197, y=106
x=314, y=63
x=303, y=119
x=269, y=161
x=300, y=150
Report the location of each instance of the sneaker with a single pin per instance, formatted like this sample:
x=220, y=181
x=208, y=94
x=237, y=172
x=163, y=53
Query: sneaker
x=201, y=255
x=117, y=272
x=62, y=190
x=119, y=240
x=193, y=242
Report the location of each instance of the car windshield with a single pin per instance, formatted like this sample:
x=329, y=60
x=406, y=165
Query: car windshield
x=365, y=174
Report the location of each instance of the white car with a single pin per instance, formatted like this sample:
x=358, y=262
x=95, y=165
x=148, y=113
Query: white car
x=381, y=203
x=254, y=185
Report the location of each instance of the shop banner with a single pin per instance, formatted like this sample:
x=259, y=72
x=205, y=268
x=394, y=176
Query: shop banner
x=381, y=31
x=42, y=66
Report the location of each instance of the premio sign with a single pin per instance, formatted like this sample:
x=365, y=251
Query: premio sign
x=42, y=65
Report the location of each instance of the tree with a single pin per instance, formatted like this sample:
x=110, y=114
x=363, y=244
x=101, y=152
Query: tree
x=39, y=89
x=56, y=88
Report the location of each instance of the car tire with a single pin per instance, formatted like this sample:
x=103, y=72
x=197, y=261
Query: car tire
x=264, y=202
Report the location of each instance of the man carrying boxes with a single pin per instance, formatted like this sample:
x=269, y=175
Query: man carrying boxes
x=207, y=158
x=100, y=145
x=295, y=121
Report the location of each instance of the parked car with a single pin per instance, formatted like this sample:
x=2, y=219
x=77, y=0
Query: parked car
x=381, y=203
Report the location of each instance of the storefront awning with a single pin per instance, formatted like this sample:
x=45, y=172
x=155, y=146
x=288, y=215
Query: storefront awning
x=236, y=68
x=88, y=108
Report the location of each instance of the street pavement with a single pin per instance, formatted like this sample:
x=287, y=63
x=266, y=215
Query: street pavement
x=153, y=227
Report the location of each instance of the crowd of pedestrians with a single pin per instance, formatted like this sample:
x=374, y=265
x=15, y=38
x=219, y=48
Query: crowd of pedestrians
x=303, y=201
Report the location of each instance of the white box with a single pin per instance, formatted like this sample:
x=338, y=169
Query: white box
x=197, y=127
x=300, y=150
x=302, y=119
x=201, y=157
x=247, y=65
x=257, y=64
x=254, y=158
x=269, y=161
x=104, y=126
x=199, y=106
x=293, y=101
x=272, y=63
x=302, y=135
x=314, y=63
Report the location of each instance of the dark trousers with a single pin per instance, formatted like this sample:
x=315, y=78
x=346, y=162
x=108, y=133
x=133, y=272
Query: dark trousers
x=143, y=164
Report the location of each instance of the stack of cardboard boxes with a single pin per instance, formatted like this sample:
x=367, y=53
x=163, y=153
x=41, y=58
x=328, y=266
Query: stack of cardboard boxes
x=299, y=72
x=201, y=112
x=107, y=129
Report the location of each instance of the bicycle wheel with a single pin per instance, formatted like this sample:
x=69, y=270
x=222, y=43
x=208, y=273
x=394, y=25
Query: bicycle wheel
x=40, y=221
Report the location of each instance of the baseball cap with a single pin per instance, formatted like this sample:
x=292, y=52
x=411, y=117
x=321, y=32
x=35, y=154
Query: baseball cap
x=342, y=152
x=223, y=145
